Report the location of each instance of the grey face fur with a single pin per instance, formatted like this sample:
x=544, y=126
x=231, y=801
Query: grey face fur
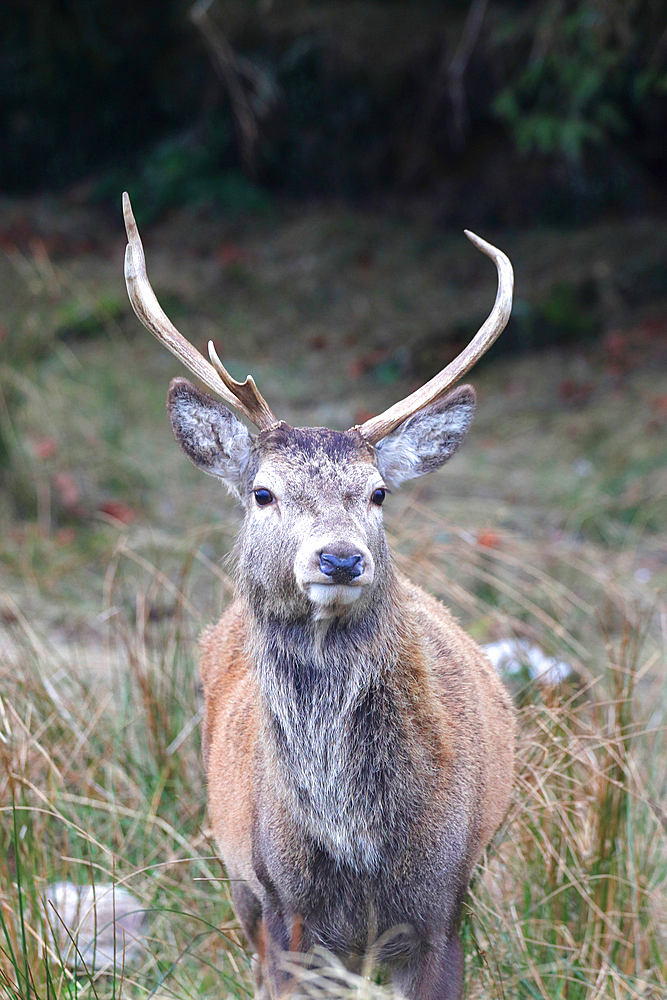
x=323, y=488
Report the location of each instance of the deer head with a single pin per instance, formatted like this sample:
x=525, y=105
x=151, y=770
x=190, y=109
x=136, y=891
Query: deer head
x=312, y=542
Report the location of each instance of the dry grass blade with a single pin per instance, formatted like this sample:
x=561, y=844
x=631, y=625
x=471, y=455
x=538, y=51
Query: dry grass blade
x=571, y=901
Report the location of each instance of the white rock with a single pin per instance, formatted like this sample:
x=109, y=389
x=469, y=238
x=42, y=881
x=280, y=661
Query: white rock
x=512, y=656
x=107, y=923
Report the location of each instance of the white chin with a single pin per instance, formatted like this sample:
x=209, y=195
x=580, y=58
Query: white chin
x=330, y=597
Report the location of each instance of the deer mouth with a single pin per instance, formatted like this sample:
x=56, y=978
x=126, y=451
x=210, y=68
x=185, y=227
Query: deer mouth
x=334, y=593
x=332, y=598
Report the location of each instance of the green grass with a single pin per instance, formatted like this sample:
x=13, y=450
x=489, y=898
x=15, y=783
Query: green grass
x=580, y=880
x=572, y=899
x=550, y=526
x=101, y=780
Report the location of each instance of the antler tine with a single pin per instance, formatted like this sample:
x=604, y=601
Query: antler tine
x=248, y=395
x=378, y=427
x=150, y=313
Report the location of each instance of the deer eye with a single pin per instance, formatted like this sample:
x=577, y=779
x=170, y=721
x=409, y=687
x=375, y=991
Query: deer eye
x=263, y=497
x=378, y=496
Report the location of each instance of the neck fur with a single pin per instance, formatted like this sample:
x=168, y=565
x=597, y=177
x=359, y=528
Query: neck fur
x=332, y=723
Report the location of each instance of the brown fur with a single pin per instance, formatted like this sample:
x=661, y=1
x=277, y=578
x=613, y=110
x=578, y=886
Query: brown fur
x=463, y=691
x=451, y=702
x=359, y=746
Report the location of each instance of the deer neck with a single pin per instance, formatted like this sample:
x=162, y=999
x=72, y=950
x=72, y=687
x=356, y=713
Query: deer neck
x=331, y=720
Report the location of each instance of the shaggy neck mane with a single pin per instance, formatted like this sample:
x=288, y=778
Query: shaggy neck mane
x=333, y=721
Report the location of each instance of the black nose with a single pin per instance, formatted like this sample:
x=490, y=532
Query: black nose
x=341, y=569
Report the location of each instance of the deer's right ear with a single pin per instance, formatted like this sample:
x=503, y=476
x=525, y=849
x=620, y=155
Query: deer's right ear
x=209, y=434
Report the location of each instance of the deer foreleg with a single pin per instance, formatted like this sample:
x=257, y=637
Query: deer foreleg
x=436, y=974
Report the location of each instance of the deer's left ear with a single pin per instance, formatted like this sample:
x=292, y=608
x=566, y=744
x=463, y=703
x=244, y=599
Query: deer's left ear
x=427, y=440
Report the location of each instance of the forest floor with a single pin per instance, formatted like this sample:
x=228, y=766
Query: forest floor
x=336, y=314
x=549, y=526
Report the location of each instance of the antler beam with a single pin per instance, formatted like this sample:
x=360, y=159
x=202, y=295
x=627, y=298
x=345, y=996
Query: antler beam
x=378, y=427
x=245, y=396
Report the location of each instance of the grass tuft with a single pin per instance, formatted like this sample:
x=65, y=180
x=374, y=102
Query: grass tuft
x=101, y=782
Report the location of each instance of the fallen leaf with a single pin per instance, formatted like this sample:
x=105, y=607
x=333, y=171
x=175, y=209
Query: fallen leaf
x=575, y=393
x=118, y=510
x=45, y=447
x=659, y=405
x=229, y=253
x=615, y=342
x=67, y=489
x=66, y=536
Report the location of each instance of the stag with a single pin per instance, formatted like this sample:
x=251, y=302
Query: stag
x=358, y=744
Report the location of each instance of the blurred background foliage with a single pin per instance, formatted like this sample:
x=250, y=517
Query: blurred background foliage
x=514, y=112
x=244, y=114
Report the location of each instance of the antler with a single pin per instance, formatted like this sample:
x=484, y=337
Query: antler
x=378, y=427
x=245, y=396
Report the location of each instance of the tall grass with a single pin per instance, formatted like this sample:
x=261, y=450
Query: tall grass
x=576, y=890
x=101, y=781
x=572, y=899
